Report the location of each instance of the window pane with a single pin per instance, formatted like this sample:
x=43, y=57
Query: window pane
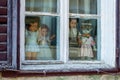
x=83, y=6
x=41, y=38
x=41, y=5
x=82, y=39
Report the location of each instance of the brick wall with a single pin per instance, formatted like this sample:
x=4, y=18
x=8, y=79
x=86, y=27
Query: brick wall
x=3, y=29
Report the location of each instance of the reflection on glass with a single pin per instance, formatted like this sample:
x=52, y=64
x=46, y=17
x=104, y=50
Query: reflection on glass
x=41, y=35
x=41, y=5
x=83, y=6
x=82, y=39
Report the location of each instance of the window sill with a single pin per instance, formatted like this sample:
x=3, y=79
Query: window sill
x=30, y=73
x=68, y=67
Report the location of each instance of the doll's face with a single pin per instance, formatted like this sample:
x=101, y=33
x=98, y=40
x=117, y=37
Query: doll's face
x=73, y=23
x=44, y=32
x=33, y=27
x=86, y=29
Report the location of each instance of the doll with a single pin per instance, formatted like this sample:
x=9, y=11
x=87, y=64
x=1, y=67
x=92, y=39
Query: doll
x=73, y=32
x=31, y=46
x=44, y=42
x=87, y=42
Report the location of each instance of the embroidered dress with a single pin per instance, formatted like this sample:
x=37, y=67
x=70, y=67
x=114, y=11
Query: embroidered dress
x=31, y=44
x=45, y=52
x=86, y=47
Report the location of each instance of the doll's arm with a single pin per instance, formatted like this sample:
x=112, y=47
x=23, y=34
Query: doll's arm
x=52, y=37
x=93, y=44
x=94, y=48
x=79, y=39
x=26, y=32
x=79, y=42
x=39, y=35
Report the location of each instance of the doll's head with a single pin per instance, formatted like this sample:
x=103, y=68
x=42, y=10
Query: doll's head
x=44, y=30
x=86, y=28
x=73, y=22
x=33, y=26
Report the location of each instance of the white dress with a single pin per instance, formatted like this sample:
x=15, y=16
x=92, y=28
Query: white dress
x=31, y=44
x=86, y=47
x=45, y=52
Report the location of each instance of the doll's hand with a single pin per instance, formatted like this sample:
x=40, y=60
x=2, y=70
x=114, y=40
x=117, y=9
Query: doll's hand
x=52, y=37
x=94, y=48
x=86, y=35
x=79, y=42
x=38, y=41
x=40, y=29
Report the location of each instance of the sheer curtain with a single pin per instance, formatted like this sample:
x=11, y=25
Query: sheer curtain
x=83, y=6
x=41, y=5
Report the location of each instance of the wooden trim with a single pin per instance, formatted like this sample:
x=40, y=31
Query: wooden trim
x=14, y=29
x=9, y=32
x=118, y=34
x=18, y=37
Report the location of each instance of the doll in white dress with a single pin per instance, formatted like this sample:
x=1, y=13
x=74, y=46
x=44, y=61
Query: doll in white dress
x=44, y=43
x=31, y=45
x=87, y=42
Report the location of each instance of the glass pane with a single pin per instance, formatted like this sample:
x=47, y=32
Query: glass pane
x=82, y=39
x=83, y=6
x=41, y=38
x=41, y=5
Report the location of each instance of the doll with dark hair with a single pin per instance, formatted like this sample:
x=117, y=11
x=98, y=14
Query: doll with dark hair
x=73, y=32
x=31, y=45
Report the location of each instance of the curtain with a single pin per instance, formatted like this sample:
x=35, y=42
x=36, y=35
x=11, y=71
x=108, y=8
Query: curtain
x=83, y=6
x=41, y=5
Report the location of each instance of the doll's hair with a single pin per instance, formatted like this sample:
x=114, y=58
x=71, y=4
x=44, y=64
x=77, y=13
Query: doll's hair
x=70, y=19
x=89, y=25
x=29, y=24
x=44, y=26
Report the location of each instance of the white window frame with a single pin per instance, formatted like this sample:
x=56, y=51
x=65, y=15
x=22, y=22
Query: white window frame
x=107, y=43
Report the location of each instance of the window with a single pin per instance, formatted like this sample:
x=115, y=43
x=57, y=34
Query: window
x=46, y=18
x=86, y=16
x=48, y=42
